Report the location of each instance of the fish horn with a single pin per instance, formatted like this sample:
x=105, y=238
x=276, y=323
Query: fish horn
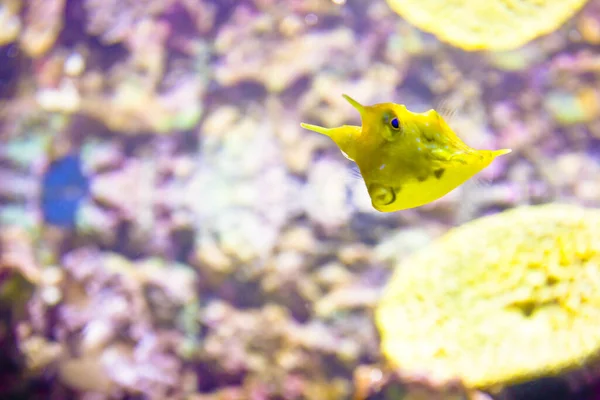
x=344, y=136
x=318, y=129
x=355, y=104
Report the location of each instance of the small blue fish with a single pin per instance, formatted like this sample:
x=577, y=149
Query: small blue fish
x=64, y=186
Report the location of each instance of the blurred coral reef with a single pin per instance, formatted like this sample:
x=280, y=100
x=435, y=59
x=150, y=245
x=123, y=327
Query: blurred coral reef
x=167, y=229
x=534, y=287
x=499, y=25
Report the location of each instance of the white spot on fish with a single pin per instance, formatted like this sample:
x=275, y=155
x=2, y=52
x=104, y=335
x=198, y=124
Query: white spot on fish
x=381, y=167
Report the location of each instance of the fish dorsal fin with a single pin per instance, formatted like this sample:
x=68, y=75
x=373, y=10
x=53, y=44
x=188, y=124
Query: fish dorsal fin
x=446, y=112
x=448, y=109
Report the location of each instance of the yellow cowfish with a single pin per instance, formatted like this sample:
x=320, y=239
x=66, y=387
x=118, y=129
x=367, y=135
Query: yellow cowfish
x=406, y=159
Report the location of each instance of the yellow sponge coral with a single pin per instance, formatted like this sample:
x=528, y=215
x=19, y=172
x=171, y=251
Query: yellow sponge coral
x=500, y=300
x=490, y=24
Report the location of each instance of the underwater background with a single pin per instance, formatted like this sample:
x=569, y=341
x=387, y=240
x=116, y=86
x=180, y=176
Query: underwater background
x=169, y=231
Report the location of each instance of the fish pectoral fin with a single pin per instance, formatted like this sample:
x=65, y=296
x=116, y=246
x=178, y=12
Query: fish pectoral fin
x=355, y=172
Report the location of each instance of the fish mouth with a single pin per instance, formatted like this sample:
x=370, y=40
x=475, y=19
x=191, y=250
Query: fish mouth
x=355, y=104
x=381, y=195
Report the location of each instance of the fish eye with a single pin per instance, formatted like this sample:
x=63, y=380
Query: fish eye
x=393, y=127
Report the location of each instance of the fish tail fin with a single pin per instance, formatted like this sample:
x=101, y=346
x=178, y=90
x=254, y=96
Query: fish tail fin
x=316, y=128
x=498, y=153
